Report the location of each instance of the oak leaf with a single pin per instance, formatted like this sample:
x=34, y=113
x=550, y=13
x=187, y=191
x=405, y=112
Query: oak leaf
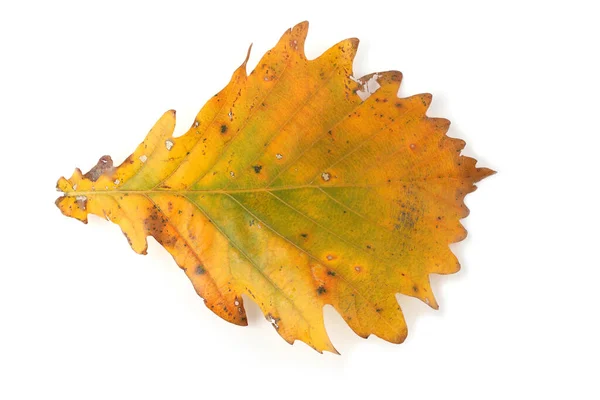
x=298, y=185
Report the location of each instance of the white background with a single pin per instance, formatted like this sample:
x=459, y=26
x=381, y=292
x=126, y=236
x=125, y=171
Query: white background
x=83, y=317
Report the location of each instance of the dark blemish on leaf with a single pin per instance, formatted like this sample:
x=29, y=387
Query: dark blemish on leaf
x=379, y=310
x=223, y=129
x=257, y=168
x=321, y=289
x=200, y=270
x=104, y=165
x=304, y=235
x=415, y=289
x=331, y=273
x=407, y=220
x=81, y=202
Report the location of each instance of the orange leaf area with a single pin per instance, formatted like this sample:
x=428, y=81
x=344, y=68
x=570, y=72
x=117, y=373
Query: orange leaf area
x=300, y=186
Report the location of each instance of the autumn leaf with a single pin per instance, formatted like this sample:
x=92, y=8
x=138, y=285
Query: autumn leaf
x=298, y=185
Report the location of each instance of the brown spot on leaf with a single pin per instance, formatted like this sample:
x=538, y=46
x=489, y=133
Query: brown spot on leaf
x=104, y=165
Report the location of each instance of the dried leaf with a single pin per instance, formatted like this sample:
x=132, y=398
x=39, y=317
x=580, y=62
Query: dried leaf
x=298, y=185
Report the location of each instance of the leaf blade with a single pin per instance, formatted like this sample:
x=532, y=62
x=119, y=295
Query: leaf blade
x=299, y=186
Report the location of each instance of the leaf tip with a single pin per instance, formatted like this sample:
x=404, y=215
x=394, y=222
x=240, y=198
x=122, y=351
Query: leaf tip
x=485, y=172
x=298, y=37
x=247, y=57
x=301, y=27
x=399, y=338
x=354, y=42
x=432, y=302
x=426, y=99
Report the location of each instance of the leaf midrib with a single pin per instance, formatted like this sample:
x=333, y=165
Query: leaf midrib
x=253, y=190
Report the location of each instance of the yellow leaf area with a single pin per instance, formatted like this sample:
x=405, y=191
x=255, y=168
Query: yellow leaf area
x=300, y=186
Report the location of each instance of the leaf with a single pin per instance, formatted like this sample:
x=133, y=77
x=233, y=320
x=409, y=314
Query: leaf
x=300, y=186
